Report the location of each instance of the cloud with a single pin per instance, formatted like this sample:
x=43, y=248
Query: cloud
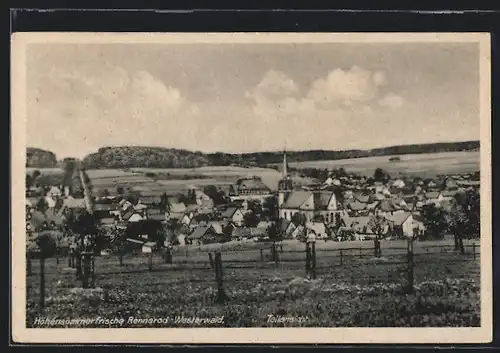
x=346, y=87
x=391, y=100
x=107, y=106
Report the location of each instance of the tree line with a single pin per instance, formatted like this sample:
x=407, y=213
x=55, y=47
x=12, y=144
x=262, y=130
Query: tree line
x=158, y=157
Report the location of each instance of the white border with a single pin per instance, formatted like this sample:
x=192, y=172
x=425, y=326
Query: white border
x=21, y=334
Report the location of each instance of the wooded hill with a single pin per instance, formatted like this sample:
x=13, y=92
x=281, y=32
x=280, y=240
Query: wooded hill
x=38, y=158
x=158, y=157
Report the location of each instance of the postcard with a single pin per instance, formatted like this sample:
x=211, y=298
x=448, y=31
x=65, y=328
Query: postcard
x=251, y=188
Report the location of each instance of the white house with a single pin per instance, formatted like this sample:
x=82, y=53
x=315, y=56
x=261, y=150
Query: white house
x=235, y=215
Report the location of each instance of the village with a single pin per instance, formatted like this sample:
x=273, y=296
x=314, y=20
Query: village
x=344, y=207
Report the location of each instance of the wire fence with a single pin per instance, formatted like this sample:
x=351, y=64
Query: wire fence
x=222, y=268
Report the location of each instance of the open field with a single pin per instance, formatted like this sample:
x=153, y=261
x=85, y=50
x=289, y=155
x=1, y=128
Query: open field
x=362, y=292
x=136, y=177
x=45, y=171
x=423, y=165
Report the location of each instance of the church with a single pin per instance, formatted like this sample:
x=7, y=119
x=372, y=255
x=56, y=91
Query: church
x=311, y=204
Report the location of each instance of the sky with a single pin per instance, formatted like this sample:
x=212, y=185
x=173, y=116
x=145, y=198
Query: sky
x=250, y=97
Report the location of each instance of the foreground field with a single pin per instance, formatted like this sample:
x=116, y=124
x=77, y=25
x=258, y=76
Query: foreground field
x=360, y=292
x=423, y=165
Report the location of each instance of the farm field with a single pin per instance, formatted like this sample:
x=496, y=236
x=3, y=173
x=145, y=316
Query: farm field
x=136, y=178
x=423, y=165
x=45, y=171
x=362, y=292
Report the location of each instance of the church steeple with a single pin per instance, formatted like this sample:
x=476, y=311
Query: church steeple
x=285, y=164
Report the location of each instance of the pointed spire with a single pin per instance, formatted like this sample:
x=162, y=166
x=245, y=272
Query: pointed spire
x=285, y=164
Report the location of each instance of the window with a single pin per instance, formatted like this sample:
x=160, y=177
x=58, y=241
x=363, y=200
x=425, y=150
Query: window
x=331, y=217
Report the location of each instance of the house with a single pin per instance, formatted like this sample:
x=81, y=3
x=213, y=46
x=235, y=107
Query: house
x=251, y=187
x=133, y=216
x=235, y=215
x=106, y=210
x=398, y=183
x=287, y=227
x=125, y=205
x=356, y=207
x=402, y=223
x=177, y=210
x=203, y=199
x=140, y=207
x=362, y=198
x=50, y=201
x=433, y=197
x=155, y=214
x=148, y=247
x=387, y=207
x=203, y=234
x=185, y=219
x=299, y=232
x=54, y=191
x=318, y=228
x=309, y=204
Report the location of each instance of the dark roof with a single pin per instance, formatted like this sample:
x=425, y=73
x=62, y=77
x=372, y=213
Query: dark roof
x=356, y=205
x=388, y=206
x=252, y=184
x=229, y=212
x=201, y=230
x=362, y=198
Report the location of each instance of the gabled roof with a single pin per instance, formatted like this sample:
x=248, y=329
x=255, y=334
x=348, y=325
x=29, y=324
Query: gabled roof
x=252, y=184
x=177, y=207
x=296, y=199
x=356, y=206
x=398, y=218
x=201, y=230
x=229, y=213
x=364, y=198
x=388, y=206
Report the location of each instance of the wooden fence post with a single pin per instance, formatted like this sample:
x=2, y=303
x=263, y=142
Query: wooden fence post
x=150, y=260
x=313, y=262
x=281, y=247
x=211, y=259
x=168, y=255
x=92, y=282
x=341, y=258
x=410, y=265
x=261, y=255
x=221, y=295
x=78, y=265
x=360, y=252
x=70, y=254
x=308, y=259
x=474, y=250
x=120, y=257
x=86, y=270
x=276, y=255
x=42, y=281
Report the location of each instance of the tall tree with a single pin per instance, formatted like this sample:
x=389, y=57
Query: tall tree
x=164, y=203
x=381, y=175
x=42, y=205
x=435, y=221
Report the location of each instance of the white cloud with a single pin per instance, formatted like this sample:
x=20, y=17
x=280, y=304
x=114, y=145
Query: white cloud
x=391, y=100
x=346, y=87
x=108, y=106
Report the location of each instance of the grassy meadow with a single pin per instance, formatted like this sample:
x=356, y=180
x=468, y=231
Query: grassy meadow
x=360, y=292
x=422, y=165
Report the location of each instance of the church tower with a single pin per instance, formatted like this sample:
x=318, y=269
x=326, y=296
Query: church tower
x=285, y=185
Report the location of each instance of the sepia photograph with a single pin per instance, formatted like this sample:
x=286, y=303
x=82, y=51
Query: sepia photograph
x=301, y=188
